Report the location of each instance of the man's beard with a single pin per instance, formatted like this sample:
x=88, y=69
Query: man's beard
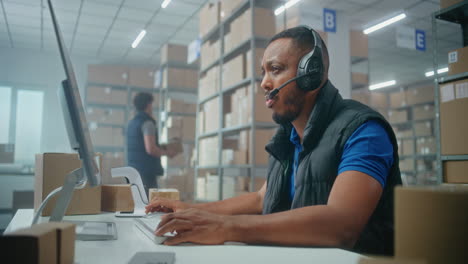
x=295, y=102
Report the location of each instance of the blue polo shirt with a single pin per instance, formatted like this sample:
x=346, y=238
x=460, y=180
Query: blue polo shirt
x=368, y=150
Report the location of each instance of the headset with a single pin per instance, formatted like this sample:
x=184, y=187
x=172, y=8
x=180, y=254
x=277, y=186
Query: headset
x=309, y=70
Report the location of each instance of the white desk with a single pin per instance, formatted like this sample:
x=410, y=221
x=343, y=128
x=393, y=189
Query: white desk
x=131, y=240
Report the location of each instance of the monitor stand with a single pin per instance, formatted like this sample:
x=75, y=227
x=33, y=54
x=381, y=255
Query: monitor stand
x=85, y=230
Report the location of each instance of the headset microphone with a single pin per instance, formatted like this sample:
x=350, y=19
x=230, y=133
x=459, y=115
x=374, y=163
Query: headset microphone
x=275, y=91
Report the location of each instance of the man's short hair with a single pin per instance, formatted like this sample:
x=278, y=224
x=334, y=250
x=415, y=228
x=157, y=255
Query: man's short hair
x=303, y=39
x=301, y=36
x=142, y=100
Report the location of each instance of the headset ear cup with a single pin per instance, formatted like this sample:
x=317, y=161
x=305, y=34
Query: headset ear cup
x=313, y=66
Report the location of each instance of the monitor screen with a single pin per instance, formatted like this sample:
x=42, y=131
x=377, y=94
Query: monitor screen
x=74, y=114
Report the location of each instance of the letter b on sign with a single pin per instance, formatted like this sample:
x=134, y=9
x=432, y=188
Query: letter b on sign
x=329, y=20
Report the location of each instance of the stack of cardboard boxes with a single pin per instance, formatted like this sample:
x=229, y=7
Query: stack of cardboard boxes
x=108, y=96
x=232, y=82
x=412, y=117
x=453, y=121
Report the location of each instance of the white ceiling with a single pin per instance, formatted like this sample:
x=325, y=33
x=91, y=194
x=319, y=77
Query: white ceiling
x=105, y=29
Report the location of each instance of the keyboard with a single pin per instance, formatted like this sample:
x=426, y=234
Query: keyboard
x=148, y=224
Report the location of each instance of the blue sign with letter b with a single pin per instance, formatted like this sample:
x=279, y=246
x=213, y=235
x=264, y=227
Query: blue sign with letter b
x=329, y=20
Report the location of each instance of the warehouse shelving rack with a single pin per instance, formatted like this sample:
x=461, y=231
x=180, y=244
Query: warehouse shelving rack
x=251, y=170
x=127, y=109
x=411, y=176
x=165, y=94
x=458, y=14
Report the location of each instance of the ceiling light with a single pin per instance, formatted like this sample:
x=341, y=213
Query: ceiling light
x=165, y=3
x=139, y=38
x=384, y=23
x=439, y=71
x=288, y=4
x=382, y=85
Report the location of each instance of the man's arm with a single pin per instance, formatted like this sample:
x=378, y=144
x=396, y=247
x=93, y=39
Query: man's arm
x=339, y=223
x=151, y=147
x=352, y=200
x=251, y=203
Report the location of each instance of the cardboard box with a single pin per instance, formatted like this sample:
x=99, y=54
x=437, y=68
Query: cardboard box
x=112, y=160
x=117, y=197
x=257, y=63
x=173, y=53
x=164, y=193
x=359, y=79
x=98, y=94
x=65, y=241
x=448, y=3
x=420, y=95
x=102, y=136
x=426, y=145
x=264, y=23
x=398, y=116
x=50, y=172
x=423, y=129
x=455, y=171
x=106, y=116
x=458, y=61
x=108, y=74
x=228, y=6
x=453, y=121
x=208, y=151
x=209, y=17
x=141, y=77
x=41, y=243
x=211, y=112
x=37, y=244
x=233, y=71
x=7, y=153
x=362, y=96
x=208, y=83
x=423, y=112
x=210, y=52
x=403, y=133
x=430, y=223
x=387, y=260
x=398, y=99
x=406, y=165
x=118, y=139
x=359, y=44
x=379, y=100
x=408, y=146
x=118, y=97
x=178, y=106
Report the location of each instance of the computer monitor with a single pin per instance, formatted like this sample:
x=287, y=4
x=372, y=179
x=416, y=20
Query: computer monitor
x=78, y=134
x=75, y=118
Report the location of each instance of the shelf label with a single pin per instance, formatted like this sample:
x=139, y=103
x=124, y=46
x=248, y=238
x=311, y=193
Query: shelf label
x=329, y=20
x=194, y=50
x=453, y=57
x=447, y=93
x=411, y=38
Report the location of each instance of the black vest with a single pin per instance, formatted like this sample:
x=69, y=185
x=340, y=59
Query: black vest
x=137, y=157
x=332, y=121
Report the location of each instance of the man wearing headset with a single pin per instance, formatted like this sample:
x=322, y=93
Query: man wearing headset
x=333, y=165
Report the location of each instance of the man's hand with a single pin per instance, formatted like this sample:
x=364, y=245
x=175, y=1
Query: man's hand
x=196, y=226
x=165, y=205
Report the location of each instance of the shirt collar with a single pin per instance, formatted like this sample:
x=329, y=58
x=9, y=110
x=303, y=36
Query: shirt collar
x=294, y=137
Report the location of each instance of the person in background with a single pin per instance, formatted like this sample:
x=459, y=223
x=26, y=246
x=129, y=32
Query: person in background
x=332, y=169
x=143, y=150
